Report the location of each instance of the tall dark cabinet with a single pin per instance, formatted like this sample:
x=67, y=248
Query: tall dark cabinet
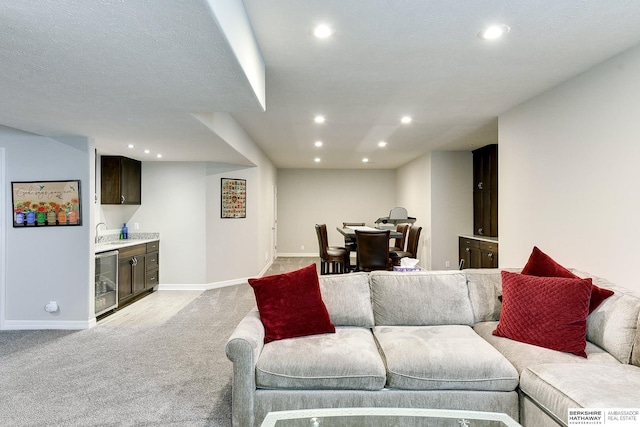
x=485, y=191
x=121, y=181
x=481, y=249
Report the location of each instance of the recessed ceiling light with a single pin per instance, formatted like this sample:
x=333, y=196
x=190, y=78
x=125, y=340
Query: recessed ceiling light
x=319, y=119
x=382, y=144
x=159, y=156
x=318, y=144
x=130, y=145
x=146, y=151
x=406, y=119
x=317, y=160
x=365, y=160
x=322, y=31
x=493, y=32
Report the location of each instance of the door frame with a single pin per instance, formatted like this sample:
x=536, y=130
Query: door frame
x=274, y=225
x=3, y=239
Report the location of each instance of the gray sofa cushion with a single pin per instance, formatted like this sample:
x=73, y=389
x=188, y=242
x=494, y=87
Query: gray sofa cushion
x=523, y=355
x=558, y=386
x=346, y=360
x=485, y=286
x=420, y=298
x=448, y=357
x=348, y=299
x=614, y=324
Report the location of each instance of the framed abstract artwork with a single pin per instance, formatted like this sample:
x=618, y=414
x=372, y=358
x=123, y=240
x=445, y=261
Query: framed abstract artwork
x=233, y=193
x=46, y=203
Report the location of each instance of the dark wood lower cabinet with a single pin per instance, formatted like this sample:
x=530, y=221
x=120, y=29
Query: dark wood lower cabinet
x=478, y=253
x=137, y=271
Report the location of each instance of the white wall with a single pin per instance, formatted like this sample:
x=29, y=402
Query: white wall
x=181, y=201
x=413, y=188
x=569, y=171
x=436, y=188
x=451, y=205
x=314, y=196
x=240, y=248
x=49, y=263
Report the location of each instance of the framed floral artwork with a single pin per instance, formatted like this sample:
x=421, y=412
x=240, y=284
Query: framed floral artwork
x=46, y=203
x=233, y=193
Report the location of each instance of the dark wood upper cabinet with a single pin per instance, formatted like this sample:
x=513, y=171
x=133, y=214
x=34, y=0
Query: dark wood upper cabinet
x=121, y=181
x=485, y=191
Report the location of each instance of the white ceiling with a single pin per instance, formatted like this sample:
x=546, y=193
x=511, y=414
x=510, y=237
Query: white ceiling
x=142, y=72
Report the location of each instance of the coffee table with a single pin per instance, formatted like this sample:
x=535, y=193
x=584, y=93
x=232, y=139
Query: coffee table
x=390, y=416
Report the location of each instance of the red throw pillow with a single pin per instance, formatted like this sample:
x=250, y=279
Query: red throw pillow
x=548, y=312
x=542, y=265
x=291, y=305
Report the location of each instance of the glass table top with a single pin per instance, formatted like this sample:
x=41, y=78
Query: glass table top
x=353, y=417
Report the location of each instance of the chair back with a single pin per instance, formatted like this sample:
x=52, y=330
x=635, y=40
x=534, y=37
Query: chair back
x=373, y=250
x=412, y=241
x=400, y=241
x=323, y=241
x=398, y=213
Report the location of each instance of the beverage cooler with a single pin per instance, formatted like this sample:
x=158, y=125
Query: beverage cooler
x=106, y=282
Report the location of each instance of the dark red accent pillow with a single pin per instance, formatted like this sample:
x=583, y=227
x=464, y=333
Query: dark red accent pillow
x=548, y=312
x=542, y=265
x=291, y=305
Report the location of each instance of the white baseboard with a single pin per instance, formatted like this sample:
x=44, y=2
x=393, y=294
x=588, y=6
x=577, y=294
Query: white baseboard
x=200, y=286
x=300, y=255
x=213, y=285
x=48, y=324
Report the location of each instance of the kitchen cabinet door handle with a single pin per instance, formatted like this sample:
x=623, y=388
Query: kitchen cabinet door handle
x=121, y=199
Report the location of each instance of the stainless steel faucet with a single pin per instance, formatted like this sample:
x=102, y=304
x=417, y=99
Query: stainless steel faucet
x=98, y=225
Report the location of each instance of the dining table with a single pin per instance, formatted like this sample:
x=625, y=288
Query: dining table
x=350, y=231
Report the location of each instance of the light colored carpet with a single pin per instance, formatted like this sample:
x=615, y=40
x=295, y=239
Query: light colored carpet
x=174, y=374
x=170, y=374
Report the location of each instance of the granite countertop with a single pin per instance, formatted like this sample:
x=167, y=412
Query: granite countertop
x=111, y=242
x=482, y=238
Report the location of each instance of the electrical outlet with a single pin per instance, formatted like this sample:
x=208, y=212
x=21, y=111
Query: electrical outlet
x=302, y=247
x=52, y=307
x=447, y=264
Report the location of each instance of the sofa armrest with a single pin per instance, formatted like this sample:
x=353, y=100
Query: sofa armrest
x=243, y=349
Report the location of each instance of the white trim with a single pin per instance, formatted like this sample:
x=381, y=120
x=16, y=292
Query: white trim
x=207, y=286
x=3, y=240
x=48, y=324
x=300, y=255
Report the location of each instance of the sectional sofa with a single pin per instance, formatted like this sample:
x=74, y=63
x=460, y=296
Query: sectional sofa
x=429, y=340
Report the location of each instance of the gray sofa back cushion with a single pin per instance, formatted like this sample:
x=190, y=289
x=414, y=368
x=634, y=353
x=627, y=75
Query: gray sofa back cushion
x=485, y=286
x=420, y=298
x=348, y=299
x=614, y=324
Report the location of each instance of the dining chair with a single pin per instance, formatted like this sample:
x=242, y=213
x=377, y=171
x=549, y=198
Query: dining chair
x=350, y=242
x=412, y=246
x=373, y=250
x=400, y=243
x=333, y=259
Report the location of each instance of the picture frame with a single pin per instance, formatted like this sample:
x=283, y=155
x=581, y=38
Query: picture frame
x=46, y=203
x=233, y=195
